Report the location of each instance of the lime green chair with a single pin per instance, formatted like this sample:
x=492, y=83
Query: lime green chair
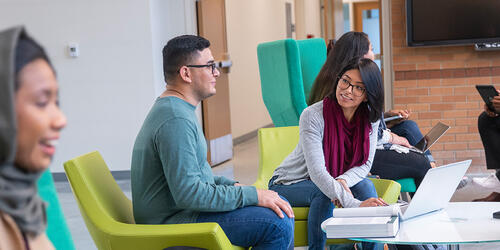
x=287, y=71
x=277, y=143
x=57, y=229
x=107, y=212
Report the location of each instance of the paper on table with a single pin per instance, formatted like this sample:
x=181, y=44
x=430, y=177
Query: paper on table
x=392, y=210
x=359, y=220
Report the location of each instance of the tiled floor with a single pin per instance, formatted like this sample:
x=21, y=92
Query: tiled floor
x=243, y=168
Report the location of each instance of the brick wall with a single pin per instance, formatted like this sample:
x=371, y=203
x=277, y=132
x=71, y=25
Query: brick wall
x=438, y=84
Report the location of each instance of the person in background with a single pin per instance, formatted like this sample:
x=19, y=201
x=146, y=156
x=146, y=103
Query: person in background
x=172, y=181
x=30, y=124
x=489, y=129
x=388, y=163
x=337, y=141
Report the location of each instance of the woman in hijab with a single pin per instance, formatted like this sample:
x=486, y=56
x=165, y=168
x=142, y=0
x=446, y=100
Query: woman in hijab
x=30, y=124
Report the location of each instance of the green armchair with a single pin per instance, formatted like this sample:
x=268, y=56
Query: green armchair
x=107, y=212
x=274, y=145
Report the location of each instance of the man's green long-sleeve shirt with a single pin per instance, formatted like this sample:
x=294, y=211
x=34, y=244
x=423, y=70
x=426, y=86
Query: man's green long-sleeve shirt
x=171, y=179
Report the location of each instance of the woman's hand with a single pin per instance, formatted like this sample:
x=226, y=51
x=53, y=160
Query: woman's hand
x=404, y=113
x=396, y=139
x=373, y=202
x=394, y=112
x=344, y=184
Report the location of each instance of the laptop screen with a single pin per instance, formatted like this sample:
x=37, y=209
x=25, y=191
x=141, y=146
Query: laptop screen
x=430, y=138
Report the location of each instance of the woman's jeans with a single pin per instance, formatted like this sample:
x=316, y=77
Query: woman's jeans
x=258, y=227
x=307, y=194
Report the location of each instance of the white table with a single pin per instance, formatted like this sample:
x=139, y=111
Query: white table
x=459, y=223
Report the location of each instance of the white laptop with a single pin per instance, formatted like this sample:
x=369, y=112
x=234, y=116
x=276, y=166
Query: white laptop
x=436, y=189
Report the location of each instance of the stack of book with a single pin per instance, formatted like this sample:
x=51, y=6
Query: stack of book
x=363, y=222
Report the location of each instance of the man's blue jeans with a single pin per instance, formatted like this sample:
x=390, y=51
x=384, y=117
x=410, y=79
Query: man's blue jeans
x=254, y=226
x=307, y=194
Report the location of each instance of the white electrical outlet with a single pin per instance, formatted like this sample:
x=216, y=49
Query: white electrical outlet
x=73, y=50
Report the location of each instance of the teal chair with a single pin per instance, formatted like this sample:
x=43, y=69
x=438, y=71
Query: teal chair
x=57, y=228
x=407, y=186
x=287, y=71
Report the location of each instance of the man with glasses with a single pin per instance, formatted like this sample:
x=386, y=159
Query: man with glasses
x=172, y=181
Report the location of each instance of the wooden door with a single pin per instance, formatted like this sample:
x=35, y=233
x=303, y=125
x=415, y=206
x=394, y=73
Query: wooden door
x=215, y=110
x=363, y=12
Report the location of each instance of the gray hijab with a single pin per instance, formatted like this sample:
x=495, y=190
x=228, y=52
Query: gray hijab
x=18, y=187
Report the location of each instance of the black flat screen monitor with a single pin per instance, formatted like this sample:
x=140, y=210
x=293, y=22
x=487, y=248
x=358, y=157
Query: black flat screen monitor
x=447, y=22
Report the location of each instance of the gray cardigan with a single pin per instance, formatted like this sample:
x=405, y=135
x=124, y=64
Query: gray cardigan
x=308, y=162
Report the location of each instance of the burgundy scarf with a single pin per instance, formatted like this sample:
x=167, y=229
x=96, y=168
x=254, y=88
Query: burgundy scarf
x=345, y=144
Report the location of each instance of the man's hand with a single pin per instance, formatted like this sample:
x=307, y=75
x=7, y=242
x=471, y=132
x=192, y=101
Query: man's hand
x=496, y=102
x=238, y=184
x=396, y=139
x=489, y=112
x=344, y=184
x=271, y=199
x=496, y=105
x=373, y=202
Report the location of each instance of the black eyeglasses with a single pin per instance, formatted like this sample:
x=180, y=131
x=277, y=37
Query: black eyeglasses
x=356, y=90
x=212, y=65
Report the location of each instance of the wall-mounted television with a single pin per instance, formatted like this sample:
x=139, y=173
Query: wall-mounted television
x=448, y=22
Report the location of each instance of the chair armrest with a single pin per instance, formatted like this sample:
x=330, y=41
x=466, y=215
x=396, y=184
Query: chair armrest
x=135, y=236
x=387, y=189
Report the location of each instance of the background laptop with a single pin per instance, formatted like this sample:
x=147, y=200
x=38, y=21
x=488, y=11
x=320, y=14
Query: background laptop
x=436, y=189
x=430, y=138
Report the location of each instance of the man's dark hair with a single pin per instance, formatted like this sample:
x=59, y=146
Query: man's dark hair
x=179, y=51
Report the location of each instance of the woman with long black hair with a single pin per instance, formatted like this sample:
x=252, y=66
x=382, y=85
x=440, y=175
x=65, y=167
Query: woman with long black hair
x=338, y=136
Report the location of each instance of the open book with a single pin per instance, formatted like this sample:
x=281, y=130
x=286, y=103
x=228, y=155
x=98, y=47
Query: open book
x=363, y=222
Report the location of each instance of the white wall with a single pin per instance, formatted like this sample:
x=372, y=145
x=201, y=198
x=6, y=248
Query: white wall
x=248, y=24
x=107, y=91
x=307, y=18
x=166, y=24
x=169, y=19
